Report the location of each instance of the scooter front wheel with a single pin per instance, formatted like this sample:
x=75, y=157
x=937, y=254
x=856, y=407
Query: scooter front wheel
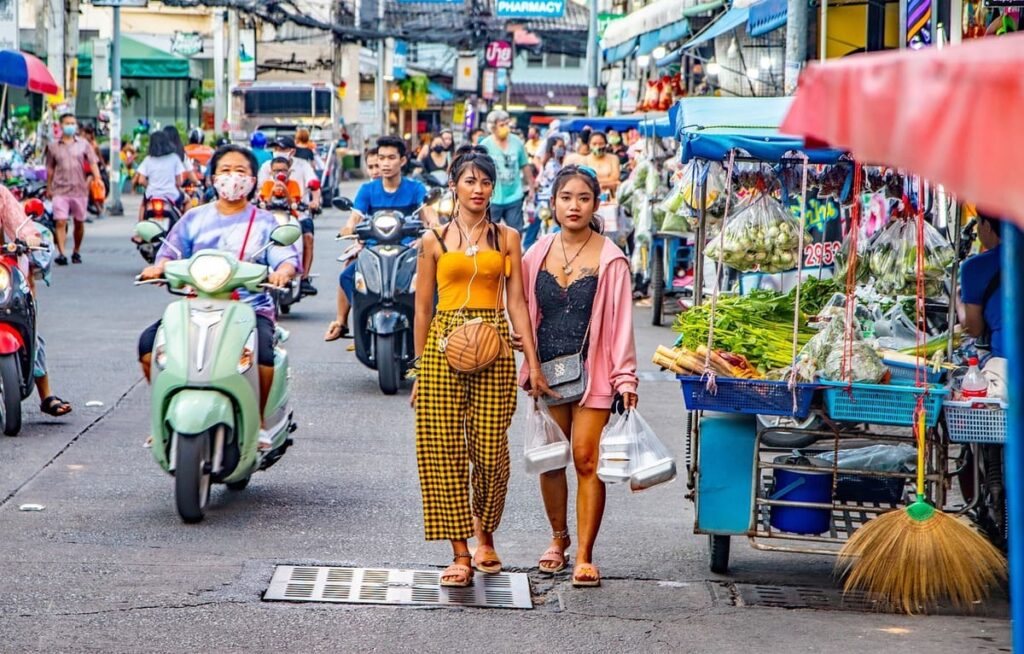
x=10, y=389
x=192, y=476
x=389, y=368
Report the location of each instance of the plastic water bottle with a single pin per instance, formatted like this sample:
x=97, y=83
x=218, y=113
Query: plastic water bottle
x=974, y=383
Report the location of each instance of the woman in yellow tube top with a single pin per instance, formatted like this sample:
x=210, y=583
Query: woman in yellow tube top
x=462, y=420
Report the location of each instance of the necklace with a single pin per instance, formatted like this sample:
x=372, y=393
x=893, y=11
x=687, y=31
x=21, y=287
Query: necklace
x=473, y=247
x=567, y=269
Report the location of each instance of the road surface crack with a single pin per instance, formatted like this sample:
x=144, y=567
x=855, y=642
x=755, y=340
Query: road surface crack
x=71, y=442
x=129, y=609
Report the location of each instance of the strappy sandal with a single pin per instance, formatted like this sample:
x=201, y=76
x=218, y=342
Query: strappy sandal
x=488, y=563
x=586, y=575
x=460, y=576
x=555, y=555
x=335, y=331
x=54, y=406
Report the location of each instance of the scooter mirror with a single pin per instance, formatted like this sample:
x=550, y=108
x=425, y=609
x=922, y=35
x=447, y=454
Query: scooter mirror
x=433, y=194
x=342, y=203
x=285, y=234
x=149, y=230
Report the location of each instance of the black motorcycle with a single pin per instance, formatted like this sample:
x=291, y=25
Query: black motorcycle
x=383, y=306
x=164, y=213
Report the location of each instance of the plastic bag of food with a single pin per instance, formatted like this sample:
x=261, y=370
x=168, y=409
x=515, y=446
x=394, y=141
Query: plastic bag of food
x=864, y=364
x=644, y=223
x=546, y=447
x=651, y=463
x=842, y=259
x=626, y=189
x=652, y=181
x=760, y=236
x=893, y=259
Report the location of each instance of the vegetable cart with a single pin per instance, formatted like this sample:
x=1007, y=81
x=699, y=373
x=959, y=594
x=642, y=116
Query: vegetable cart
x=806, y=504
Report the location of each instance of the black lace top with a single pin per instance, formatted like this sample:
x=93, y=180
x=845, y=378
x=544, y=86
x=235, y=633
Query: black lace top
x=564, y=315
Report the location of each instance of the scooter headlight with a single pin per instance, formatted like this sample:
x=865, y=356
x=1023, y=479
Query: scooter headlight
x=386, y=224
x=446, y=206
x=210, y=272
x=248, y=353
x=360, y=282
x=160, y=349
x=5, y=284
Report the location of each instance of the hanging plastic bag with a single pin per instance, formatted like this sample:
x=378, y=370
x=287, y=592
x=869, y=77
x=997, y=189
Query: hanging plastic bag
x=893, y=259
x=761, y=236
x=842, y=259
x=874, y=458
x=546, y=447
x=651, y=462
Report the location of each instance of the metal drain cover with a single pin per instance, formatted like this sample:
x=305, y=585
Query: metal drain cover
x=387, y=586
x=795, y=597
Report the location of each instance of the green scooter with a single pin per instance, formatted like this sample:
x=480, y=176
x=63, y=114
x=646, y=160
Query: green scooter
x=205, y=378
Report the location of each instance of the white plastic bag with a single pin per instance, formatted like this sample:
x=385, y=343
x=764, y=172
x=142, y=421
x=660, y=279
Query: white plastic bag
x=651, y=462
x=547, y=448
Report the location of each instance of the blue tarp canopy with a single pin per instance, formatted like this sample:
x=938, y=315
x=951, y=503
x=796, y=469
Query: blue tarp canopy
x=766, y=16
x=604, y=123
x=619, y=52
x=440, y=92
x=724, y=24
x=659, y=126
x=709, y=128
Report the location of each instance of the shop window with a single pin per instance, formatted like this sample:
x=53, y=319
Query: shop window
x=534, y=60
x=570, y=61
x=553, y=59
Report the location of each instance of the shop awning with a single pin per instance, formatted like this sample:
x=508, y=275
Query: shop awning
x=605, y=123
x=766, y=16
x=139, y=60
x=660, y=22
x=709, y=128
x=533, y=94
x=659, y=125
x=724, y=24
x=950, y=115
x=440, y=93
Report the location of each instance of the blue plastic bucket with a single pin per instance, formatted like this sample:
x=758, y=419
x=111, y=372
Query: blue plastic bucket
x=800, y=486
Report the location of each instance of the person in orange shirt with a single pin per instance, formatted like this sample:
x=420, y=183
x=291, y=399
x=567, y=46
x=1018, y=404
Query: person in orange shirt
x=198, y=152
x=279, y=184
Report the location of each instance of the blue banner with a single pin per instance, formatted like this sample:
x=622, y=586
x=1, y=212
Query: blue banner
x=398, y=65
x=530, y=8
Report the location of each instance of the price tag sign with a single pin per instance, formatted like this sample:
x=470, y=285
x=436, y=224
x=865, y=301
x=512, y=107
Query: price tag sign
x=821, y=254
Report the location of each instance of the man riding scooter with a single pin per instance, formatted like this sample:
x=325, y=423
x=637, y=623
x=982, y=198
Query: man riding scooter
x=302, y=173
x=391, y=191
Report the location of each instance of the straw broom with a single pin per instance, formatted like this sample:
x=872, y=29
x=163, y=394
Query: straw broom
x=913, y=557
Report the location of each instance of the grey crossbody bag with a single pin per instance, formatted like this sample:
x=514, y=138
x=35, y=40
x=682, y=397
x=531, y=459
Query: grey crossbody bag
x=567, y=375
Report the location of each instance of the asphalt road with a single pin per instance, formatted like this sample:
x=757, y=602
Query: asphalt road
x=108, y=566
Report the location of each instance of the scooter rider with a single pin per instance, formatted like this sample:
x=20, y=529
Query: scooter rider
x=390, y=191
x=302, y=173
x=230, y=224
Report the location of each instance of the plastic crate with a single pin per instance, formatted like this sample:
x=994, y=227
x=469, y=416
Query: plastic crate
x=753, y=396
x=881, y=404
x=906, y=373
x=969, y=423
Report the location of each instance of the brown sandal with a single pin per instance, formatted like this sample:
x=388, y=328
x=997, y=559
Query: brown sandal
x=486, y=560
x=586, y=575
x=460, y=576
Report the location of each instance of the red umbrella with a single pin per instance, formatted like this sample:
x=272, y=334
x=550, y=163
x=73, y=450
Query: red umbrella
x=950, y=115
x=25, y=71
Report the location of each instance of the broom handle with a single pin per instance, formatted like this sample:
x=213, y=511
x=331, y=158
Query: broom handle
x=919, y=428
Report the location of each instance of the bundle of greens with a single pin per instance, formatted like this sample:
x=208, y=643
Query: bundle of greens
x=893, y=259
x=758, y=326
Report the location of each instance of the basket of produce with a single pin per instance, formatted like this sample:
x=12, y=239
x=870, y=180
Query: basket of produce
x=902, y=372
x=979, y=420
x=881, y=404
x=755, y=396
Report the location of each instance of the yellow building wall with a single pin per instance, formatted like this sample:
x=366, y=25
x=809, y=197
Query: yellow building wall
x=848, y=28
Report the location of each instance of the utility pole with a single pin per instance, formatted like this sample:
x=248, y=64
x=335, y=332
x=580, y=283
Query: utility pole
x=71, y=54
x=54, y=14
x=114, y=206
x=233, y=62
x=593, y=61
x=381, y=87
x=219, y=102
x=796, y=43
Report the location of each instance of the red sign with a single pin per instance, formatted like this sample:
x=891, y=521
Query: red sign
x=499, y=54
x=487, y=84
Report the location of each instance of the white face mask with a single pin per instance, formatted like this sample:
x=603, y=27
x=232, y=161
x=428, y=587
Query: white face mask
x=233, y=186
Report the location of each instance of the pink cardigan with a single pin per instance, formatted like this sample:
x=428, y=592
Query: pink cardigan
x=611, y=357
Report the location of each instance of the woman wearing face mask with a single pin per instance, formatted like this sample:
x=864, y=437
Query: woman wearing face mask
x=606, y=165
x=435, y=162
x=579, y=292
x=617, y=147
x=231, y=224
x=462, y=420
x=554, y=156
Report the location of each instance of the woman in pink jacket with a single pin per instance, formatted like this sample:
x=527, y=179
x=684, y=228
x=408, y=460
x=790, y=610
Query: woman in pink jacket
x=578, y=288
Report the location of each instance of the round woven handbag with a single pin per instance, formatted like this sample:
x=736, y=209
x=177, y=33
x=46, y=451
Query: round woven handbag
x=473, y=346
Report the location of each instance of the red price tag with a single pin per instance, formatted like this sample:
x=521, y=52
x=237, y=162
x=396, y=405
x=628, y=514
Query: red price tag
x=821, y=254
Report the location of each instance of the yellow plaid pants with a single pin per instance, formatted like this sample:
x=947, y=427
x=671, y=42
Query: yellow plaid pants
x=461, y=424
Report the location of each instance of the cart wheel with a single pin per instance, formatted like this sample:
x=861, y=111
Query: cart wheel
x=657, y=287
x=719, y=550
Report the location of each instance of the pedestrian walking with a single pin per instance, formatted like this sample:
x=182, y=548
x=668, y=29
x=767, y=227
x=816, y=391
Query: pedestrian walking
x=71, y=163
x=603, y=162
x=515, y=178
x=462, y=419
x=579, y=293
x=435, y=163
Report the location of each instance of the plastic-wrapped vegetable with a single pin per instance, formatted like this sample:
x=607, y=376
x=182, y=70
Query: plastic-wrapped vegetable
x=652, y=181
x=644, y=223
x=760, y=236
x=626, y=190
x=864, y=365
x=842, y=259
x=893, y=259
